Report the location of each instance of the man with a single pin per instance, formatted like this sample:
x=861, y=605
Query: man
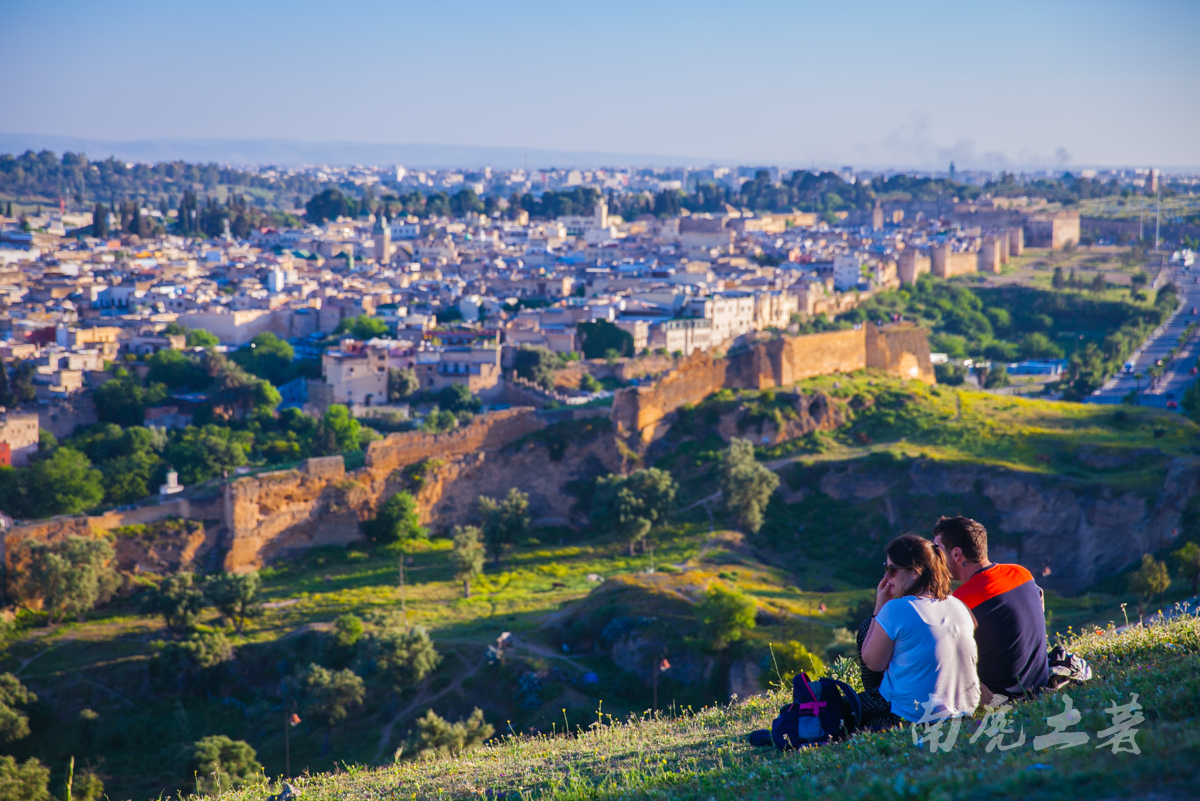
x=1010, y=618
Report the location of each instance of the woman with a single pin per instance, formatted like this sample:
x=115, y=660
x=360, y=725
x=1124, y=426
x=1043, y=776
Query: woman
x=918, y=649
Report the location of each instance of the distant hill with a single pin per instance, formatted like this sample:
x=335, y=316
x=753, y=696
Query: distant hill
x=295, y=152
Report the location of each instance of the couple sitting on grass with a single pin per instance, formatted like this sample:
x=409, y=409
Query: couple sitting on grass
x=927, y=646
x=927, y=653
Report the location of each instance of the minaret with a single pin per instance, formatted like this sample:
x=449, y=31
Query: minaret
x=383, y=239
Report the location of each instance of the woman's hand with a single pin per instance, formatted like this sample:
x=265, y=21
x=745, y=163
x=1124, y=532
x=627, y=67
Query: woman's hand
x=883, y=593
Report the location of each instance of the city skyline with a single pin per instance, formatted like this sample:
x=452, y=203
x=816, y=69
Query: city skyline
x=873, y=86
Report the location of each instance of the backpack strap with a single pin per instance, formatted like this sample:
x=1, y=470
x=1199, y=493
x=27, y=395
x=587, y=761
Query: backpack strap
x=814, y=706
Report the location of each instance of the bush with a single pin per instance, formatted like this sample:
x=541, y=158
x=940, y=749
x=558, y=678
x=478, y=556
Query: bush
x=436, y=736
x=14, y=724
x=725, y=615
x=397, y=521
x=182, y=663
x=951, y=374
x=405, y=657
x=329, y=695
x=347, y=630
x=25, y=781
x=219, y=763
x=788, y=659
x=178, y=599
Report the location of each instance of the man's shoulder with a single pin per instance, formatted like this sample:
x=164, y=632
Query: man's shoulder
x=987, y=584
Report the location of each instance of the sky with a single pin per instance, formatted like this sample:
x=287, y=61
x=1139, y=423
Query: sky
x=880, y=84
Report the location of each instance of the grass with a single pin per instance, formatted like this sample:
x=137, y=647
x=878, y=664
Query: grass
x=687, y=754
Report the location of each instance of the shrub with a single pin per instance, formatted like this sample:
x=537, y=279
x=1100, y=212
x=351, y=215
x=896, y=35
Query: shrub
x=405, y=657
x=177, y=599
x=436, y=736
x=219, y=763
x=14, y=724
x=397, y=521
x=25, y=781
x=329, y=695
x=725, y=615
x=633, y=504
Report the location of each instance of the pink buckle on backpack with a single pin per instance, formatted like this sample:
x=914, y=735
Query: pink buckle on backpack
x=814, y=706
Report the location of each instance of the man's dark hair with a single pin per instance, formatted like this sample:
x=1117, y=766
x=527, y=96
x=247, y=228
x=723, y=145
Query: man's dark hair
x=965, y=533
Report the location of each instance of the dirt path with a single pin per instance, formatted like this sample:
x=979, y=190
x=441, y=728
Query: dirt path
x=385, y=736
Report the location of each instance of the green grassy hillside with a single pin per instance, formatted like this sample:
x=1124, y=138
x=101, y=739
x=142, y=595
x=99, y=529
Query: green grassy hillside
x=577, y=603
x=687, y=754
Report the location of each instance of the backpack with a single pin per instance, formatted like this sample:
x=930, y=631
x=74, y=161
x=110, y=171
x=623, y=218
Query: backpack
x=821, y=712
x=1066, y=668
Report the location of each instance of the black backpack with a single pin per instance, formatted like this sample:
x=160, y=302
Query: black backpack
x=821, y=712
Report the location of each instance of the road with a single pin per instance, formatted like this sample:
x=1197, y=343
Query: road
x=1178, y=375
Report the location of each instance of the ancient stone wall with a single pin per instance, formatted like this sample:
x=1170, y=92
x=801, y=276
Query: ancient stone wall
x=696, y=377
x=900, y=350
x=486, y=432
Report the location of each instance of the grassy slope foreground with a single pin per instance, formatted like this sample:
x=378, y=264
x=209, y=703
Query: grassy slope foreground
x=686, y=755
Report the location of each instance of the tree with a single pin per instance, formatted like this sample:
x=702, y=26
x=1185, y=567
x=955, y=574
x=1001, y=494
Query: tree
x=236, y=596
x=746, y=485
x=329, y=695
x=177, y=370
x=1058, y=281
x=402, y=383
x=22, y=389
x=14, y=724
x=396, y=521
x=347, y=630
x=329, y=205
x=63, y=483
x=504, y=522
x=338, y=431
x=436, y=736
x=182, y=663
x=123, y=400
x=177, y=599
x=458, y=398
x=201, y=453
x=199, y=338
x=219, y=763
x=599, y=337
x=467, y=556
x=70, y=577
x=405, y=657
x=362, y=327
x=100, y=221
x=725, y=615
x=634, y=504
x=6, y=398
x=1188, y=558
x=537, y=365
x=26, y=781
x=1148, y=581
x=268, y=357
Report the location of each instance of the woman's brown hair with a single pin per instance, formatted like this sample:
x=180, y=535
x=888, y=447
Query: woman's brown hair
x=927, y=562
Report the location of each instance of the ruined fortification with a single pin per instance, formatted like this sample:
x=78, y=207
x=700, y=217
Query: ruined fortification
x=899, y=350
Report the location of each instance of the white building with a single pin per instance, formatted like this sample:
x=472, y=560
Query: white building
x=847, y=271
x=731, y=314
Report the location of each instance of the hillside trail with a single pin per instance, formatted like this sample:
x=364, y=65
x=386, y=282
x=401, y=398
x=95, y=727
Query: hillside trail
x=385, y=735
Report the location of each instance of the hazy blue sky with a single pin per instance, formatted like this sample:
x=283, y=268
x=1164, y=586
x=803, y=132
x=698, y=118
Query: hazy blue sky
x=862, y=83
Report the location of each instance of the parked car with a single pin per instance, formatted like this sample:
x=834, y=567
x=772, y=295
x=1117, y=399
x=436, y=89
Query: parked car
x=1172, y=404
